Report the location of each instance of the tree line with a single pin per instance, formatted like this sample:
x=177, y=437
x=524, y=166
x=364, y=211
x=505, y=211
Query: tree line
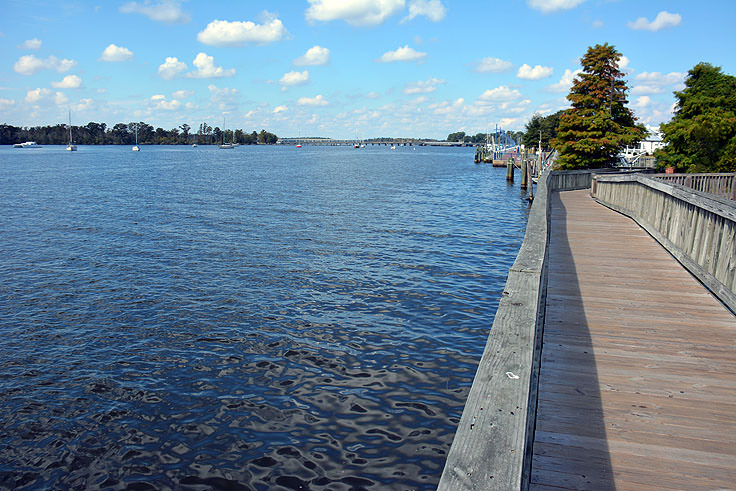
x=124, y=134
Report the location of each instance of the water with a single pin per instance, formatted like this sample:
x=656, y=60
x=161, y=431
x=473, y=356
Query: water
x=258, y=318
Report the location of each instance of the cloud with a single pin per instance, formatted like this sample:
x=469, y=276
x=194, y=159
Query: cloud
x=206, y=68
x=36, y=95
x=597, y=24
x=646, y=90
x=68, y=82
x=660, y=79
x=317, y=100
x=500, y=94
x=182, y=94
x=565, y=82
x=642, y=102
x=663, y=20
x=280, y=109
x=171, y=68
x=29, y=64
x=6, y=103
x=34, y=43
x=165, y=11
x=447, y=107
x=423, y=87
x=354, y=12
x=60, y=98
x=291, y=79
x=493, y=65
x=159, y=102
x=548, y=6
x=528, y=73
x=402, y=54
x=316, y=55
x=224, y=33
x=431, y=9
x=116, y=53
x=224, y=99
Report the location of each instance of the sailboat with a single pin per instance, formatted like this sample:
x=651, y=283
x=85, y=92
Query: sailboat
x=225, y=146
x=71, y=147
x=136, y=148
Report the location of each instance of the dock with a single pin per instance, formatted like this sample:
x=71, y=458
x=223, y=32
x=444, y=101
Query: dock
x=611, y=363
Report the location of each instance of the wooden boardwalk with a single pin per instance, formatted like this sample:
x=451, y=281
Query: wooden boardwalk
x=637, y=387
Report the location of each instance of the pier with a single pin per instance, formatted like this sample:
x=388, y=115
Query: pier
x=611, y=360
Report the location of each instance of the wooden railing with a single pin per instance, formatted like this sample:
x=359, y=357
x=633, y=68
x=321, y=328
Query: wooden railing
x=493, y=441
x=723, y=185
x=698, y=228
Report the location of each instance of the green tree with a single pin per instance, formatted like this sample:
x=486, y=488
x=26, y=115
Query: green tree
x=701, y=137
x=547, y=125
x=598, y=125
x=456, y=137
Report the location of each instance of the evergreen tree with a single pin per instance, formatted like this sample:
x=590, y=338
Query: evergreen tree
x=701, y=137
x=598, y=125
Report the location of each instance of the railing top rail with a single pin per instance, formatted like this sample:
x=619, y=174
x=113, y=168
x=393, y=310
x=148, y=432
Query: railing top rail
x=682, y=174
x=715, y=204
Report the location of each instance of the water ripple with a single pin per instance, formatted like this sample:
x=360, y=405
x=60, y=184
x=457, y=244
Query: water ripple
x=264, y=319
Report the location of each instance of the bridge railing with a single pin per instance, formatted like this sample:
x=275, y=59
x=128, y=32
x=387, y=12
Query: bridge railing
x=698, y=228
x=493, y=441
x=723, y=185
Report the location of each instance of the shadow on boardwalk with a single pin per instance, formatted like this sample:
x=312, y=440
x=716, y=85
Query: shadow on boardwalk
x=570, y=447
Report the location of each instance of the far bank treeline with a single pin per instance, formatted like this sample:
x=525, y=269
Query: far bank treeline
x=124, y=134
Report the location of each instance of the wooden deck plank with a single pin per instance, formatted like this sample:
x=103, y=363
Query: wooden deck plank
x=638, y=375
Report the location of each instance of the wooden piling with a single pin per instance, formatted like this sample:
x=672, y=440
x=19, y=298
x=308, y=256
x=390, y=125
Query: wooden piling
x=524, y=173
x=509, y=171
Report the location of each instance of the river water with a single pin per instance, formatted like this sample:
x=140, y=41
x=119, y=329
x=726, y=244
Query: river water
x=256, y=318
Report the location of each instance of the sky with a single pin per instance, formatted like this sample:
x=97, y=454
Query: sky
x=343, y=68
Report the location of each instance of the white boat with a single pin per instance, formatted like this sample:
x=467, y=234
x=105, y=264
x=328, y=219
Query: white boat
x=225, y=146
x=27, y=145
x=71, y=147
x=136, y=148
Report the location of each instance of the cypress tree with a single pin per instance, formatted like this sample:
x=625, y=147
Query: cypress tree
x=598, y=125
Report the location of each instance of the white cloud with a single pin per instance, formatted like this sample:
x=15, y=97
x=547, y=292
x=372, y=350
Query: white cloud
x=68, y=82
x=354, y=12
x=83, y=105
x=431, y=9
x=623, y=63
x=317, y=100
x=493, y=65
x=447, y=107
x=597, y=24
x=29, y=64
x=6, y=103
x=224, y=99
x=165, y=11
x=36, y=95
x=547, y=6
x=316, y=55
x=660, y=79
x=171, y=68
x=206, y=68
x=646, y=90
x=159, y=102
x=182, y=94
x=402, y=54
x=60, y=98
x=423, y=87
x=34, y=43
x=643, y=101
x=500, y=94
x=291, y=79
x=663, y=20
x=528, y=73
x=224, y=33
x=116, y=53
x=565, y=81
x=279, y=109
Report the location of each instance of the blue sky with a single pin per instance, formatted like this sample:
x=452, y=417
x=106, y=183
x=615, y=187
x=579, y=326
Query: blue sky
x=342, y=68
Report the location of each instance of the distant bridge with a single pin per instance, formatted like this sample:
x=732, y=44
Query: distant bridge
x=397, y=143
